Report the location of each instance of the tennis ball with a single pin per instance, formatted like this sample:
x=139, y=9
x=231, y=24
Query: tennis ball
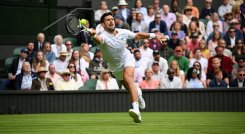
x=83, y=22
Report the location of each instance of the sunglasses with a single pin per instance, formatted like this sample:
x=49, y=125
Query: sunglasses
x=231, y=31
x=145, y=42
x=239, y=42
x=242, y=74
x=66, y=75
x=164, y=41
x=208, y=2
x=71, y=66
x=68, y=44
x=48, y=46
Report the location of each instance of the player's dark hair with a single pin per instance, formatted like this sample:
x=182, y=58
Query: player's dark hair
x=105, y=15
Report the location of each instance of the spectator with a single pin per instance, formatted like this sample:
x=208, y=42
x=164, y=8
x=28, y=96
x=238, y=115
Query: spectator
x=165, y=51
x=231, y=37
x=132, y=17
x=83, y=36
x=114, y=10
x=150, y=15
x=123, y=10
x=74, y=75
x=15, y=69
x=139, y=25
x=193, y=79
x=51, y=74
x=183, y=26
x=140, y=8
x=155, y=44
x=156, y=6
x=119, y=23
x=140, y=62
x=227, y=20
x=31, y=52
x=202, y=63
x=198, y=66
x=97, y=64
x=236, y=12
x=69, y=49
x=86, y=54
x=214, y=18
x=106, y=82
x=58, y=45
x=176, y=27
x=23, y=80
x=204, y=51
x=48, y=54
x=163, y=64
x=170, y=82
x=188, y=54
x=193, y=29
x=195, y=11
x=234, y=23
x=149, y=83
x=193, y=43
x=182, y=60
x=240, y=65
x=66, y=83
x=207, y=11
x=61, y=63
x=103, y=9
x=168, y=17
x=226, y=62
x=200, y=26
x=218, y=80
x=213, y=43
x=224, y=8
x=159, y=24
x=216, y=66
x=145, y=50
x=187, y=15
x=39, y=61
x=239, y=81
x=216, y=30
x=42, y=83
x=81, y=65
x=238, y=50
x=175, y=6
x=174, y=40
x=38, y=45
x=227, y=52
x=174, y=65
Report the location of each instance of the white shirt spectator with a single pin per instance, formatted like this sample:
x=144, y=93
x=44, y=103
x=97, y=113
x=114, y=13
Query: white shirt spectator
x=62, y=85
x=166, y=83
x=204, y=64
x=139, y=26
x=210, y=29
x=140, y=65
x=57, y=49
x=223, y=9
x=110, y=85
x=170, y=18
x=147, y=53
x=163, y=65
x=98, y=13
x=60, y=66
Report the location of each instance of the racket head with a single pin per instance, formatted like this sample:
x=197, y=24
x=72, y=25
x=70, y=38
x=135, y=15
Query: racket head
x=72, y=24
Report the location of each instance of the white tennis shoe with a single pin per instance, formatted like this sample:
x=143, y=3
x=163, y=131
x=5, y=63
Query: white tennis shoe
x=135, y=115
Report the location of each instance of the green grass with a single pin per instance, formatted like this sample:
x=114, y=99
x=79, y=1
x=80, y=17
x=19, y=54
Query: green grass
x=121, y=123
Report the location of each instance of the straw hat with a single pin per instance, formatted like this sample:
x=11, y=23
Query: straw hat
x=64, y=53
x=122, y=3
x=41, y=69
x=66, y=71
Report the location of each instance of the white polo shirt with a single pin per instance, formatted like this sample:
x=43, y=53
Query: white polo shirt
x=114, y=49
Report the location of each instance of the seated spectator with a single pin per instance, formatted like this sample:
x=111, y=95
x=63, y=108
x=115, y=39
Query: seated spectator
x=182, y=60
x=140, y=63
x=167, y=16
x=157, y=75
x=39, y=61
x=232, y=37
x=214, y=19
x=188, y=54
x=175, y=6
x=58, y=45
x=31, y=52
x=139, y=25
x=197, y=65
x=165, y=51
x=227, y=52
x=163, y=63
x=155, y=44
x=103, y=9
x=156, y=4
x=42, y=83
x=239, y=66
x=86, y=54
x=195, y=11
x=119, y=23
x=183, y=26
x=227, y=20
x=97, y=64
x=240, y=79
x=238, y=50
x=204, y=50
x=226, y=62
x=224, y=8
x=176, y=28
x=145, y=50
x=158, y=23
x=187, y=15
x=123, y=10
x=177, y=72
x=213, y=43
x=106, y=82
x=200, y=26
x=218, y=80
x=66, y=83
x=171, y=81
x=207, y=11
x=193, y=31
x=193, y=43
x=139, y=7
x=81, y=65
x=174, y=40
x=193, y=79
x=74, y=75
x=23, y=80
x=216, y=66
x=216, y=30
x=38, y=45
x=61, y=63
x=150, y=15
x=149, y=83
x=51, y=74
x=15, y=69
x=48, y=54
x=69, y=49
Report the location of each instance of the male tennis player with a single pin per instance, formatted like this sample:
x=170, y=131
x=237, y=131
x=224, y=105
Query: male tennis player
x=112, y=43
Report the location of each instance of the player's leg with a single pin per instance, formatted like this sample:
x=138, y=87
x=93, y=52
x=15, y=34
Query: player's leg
x=128, y=82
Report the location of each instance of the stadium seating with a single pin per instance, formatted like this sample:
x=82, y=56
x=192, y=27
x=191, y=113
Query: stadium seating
x=76, y=48
x=8, y=63
x=89, y=85
x=16, y=51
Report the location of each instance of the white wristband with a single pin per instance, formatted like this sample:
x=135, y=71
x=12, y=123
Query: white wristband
x=152, y=35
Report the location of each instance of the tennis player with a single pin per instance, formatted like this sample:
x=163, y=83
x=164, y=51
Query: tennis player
x=112, y=43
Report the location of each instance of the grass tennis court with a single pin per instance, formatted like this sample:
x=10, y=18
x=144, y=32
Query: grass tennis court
x=121, y=123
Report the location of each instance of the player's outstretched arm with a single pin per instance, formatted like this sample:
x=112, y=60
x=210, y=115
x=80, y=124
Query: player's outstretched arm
x=148, y=35
x=97, y=38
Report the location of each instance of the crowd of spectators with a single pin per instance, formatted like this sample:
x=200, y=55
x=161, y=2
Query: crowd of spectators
x=202, y=48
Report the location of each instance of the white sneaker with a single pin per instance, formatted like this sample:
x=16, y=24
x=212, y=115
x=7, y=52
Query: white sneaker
x=141, y=99
x=135, y=115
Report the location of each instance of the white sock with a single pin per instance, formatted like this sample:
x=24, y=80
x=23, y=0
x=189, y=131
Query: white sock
x=136, y=106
